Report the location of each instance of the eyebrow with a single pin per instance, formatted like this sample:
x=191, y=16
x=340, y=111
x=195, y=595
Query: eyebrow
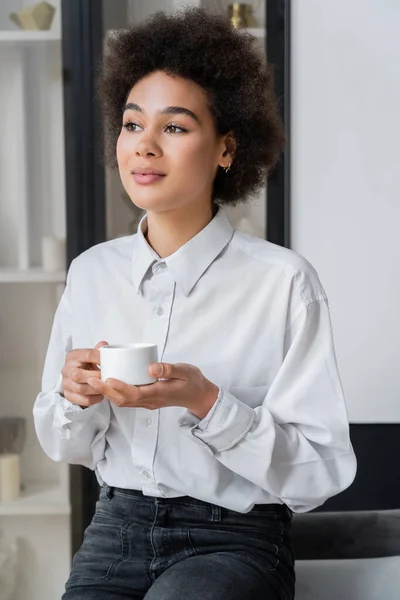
x=170, y=110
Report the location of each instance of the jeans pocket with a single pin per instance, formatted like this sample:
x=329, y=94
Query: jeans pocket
x=104, y=547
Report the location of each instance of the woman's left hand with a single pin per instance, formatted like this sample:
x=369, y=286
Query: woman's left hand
x=181, y=385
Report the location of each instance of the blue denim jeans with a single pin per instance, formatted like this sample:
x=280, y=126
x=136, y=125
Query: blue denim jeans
x=138, y=547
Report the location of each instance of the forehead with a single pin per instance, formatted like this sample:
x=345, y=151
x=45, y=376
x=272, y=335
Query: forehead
x=158, y=90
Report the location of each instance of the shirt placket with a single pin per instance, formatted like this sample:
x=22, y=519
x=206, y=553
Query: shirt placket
x=158, y=292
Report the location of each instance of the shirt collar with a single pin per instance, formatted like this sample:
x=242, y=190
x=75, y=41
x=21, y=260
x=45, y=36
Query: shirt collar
x=190, y=261
x=143, y=256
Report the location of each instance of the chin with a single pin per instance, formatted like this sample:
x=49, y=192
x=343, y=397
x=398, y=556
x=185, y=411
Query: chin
x=152, y=204
x=156, y=200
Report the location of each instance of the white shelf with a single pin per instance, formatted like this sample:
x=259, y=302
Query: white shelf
x=38, y=500
x=32, y=275
x=28, y=37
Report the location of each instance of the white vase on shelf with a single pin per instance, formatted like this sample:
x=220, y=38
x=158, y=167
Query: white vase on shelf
x=10, y=480
x=53, y=253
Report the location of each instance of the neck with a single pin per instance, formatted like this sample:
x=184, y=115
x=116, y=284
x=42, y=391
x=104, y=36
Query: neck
x=168, y=231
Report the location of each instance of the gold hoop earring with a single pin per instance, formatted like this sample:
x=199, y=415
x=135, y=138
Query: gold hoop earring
x=226, y=169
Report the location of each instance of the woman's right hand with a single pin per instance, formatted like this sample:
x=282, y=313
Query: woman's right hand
x=80, y=364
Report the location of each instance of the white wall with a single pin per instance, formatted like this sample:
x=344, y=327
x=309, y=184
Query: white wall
x=346, y=185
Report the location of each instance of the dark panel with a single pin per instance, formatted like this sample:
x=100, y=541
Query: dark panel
x=377, y=484
x=82, y=33
x=278, y=54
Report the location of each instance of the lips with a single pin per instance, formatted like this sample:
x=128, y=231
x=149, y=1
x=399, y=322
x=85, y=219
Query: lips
x=146, y=171
x=144, y=178
x=145, y=175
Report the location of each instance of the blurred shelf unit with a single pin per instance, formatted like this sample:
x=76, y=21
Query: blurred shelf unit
x=32, y=275
x=44, y=483
x=32, y=173
x=28, y=37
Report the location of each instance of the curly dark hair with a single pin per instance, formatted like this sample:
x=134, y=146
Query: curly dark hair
x=225, y=62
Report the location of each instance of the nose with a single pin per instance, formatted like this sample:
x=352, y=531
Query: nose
x=147, y=146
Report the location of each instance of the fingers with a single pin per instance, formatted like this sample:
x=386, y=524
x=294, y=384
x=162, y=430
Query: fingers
x=80, y=364
x=117, y=391
x=83, y=355
x=156, y=391
x=100, y=344
x=81, y=393
x=176, y=371
x=125, y=395
x=82, y=389
x=74, y=373
x=79, y=375
x=84, y=401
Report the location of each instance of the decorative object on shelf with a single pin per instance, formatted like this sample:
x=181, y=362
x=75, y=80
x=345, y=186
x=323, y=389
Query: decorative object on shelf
x=38, y=16
x=10, y=481
x=12, y=435
x=12, y=440
x=53, y=253
x=242, y=15
x=8, y=564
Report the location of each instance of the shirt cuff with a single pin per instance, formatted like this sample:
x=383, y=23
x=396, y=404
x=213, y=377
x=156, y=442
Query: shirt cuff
x=224, y=426
x=66, y=413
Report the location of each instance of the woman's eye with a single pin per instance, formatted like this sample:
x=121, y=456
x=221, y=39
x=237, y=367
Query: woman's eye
x=175, y=129
x=133, y=127
x=129, y=126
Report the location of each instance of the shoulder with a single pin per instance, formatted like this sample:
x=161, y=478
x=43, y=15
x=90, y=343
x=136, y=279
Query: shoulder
x=292, y=269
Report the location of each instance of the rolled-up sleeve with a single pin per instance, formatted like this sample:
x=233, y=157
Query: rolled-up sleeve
x=296, y=445
x=65, y=431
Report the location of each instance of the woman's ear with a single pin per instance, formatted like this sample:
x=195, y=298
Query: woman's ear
x=230, y=147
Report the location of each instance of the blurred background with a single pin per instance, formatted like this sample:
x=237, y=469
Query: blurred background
x=334, y=198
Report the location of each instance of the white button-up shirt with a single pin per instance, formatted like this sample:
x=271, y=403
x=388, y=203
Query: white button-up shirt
x=254, y=318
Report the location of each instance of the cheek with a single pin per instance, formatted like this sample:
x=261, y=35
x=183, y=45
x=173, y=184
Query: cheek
x=123, y=150
x=198, y=157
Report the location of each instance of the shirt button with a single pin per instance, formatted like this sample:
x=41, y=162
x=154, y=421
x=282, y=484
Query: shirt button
x=159, y=268
x=146, y=475
x=159, y=311
x=147, y=422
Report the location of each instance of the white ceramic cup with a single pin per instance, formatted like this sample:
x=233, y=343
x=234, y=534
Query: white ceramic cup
x=129, y=363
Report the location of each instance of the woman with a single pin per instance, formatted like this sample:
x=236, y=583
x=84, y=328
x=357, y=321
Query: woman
x=200, y=471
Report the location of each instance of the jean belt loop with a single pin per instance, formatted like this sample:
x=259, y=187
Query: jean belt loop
x=215, y=513
x=109, y=492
